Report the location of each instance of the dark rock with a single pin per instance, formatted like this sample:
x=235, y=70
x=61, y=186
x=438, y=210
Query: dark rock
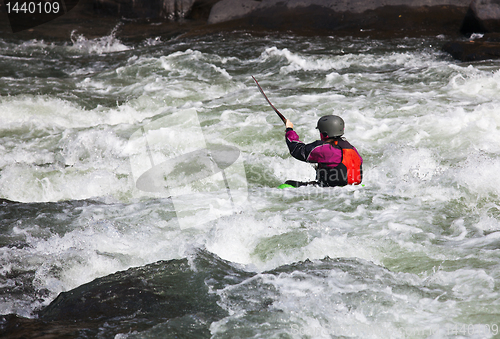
x=171, y=18
x=130, y=20
x=172, y=10
x=473, y=50
x=483, y=16
x=227, y=10
x=491, y=37
x=312, y=18
x=6, y=201
x=487, y=13
x=83, y=21
x=151, y=9
x=333, y=15
x=471, y=24
x=201, y=9
x=15, y=327
x=173, y=294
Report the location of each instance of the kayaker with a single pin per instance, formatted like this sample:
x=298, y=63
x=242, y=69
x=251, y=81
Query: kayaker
x=338, y=162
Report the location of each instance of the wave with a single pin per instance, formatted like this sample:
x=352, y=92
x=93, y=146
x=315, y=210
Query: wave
x=102, y=45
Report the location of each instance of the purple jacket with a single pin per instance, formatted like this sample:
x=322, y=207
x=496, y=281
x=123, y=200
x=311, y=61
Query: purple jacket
x=332, y=170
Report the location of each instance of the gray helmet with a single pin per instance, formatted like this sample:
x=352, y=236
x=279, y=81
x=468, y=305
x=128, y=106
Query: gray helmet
x=331, y=125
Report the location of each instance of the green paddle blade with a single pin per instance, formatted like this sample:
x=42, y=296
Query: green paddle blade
x=285, y=186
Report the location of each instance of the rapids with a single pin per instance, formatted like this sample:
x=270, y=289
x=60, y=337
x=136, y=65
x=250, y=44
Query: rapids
x=413, y=253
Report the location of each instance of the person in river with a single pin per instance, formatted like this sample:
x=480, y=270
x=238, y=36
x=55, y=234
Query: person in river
x=338, y=162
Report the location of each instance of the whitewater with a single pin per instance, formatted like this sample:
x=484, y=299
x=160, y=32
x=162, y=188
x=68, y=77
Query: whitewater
x=411, y=253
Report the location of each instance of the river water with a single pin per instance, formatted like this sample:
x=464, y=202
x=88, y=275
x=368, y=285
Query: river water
x=411, y=253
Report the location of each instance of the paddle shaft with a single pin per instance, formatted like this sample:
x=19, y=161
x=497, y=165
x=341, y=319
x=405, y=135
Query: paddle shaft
x=269, y=102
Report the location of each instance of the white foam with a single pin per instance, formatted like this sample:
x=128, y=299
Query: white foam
x=102, y=45
x=478, y=173
x=49, y=113
x=465, y=283
x=313, y=303
x=96, y=246
x=300, y=62
x=476, y=84
x=427, y=129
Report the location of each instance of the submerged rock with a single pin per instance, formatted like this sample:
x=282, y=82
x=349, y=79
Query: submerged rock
x=6, y=201
x=485, y=48
x=174, y=295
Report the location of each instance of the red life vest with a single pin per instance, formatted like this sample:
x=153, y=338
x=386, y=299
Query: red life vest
x=352, y=161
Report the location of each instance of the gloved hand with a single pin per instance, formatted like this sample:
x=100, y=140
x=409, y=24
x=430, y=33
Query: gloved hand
x=288, y=124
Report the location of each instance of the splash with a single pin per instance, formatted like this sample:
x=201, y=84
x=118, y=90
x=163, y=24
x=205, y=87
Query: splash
x=102, y=45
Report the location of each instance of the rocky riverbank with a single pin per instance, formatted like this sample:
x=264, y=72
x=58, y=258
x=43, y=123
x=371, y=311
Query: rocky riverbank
x=482, y=25
x=136, y=20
